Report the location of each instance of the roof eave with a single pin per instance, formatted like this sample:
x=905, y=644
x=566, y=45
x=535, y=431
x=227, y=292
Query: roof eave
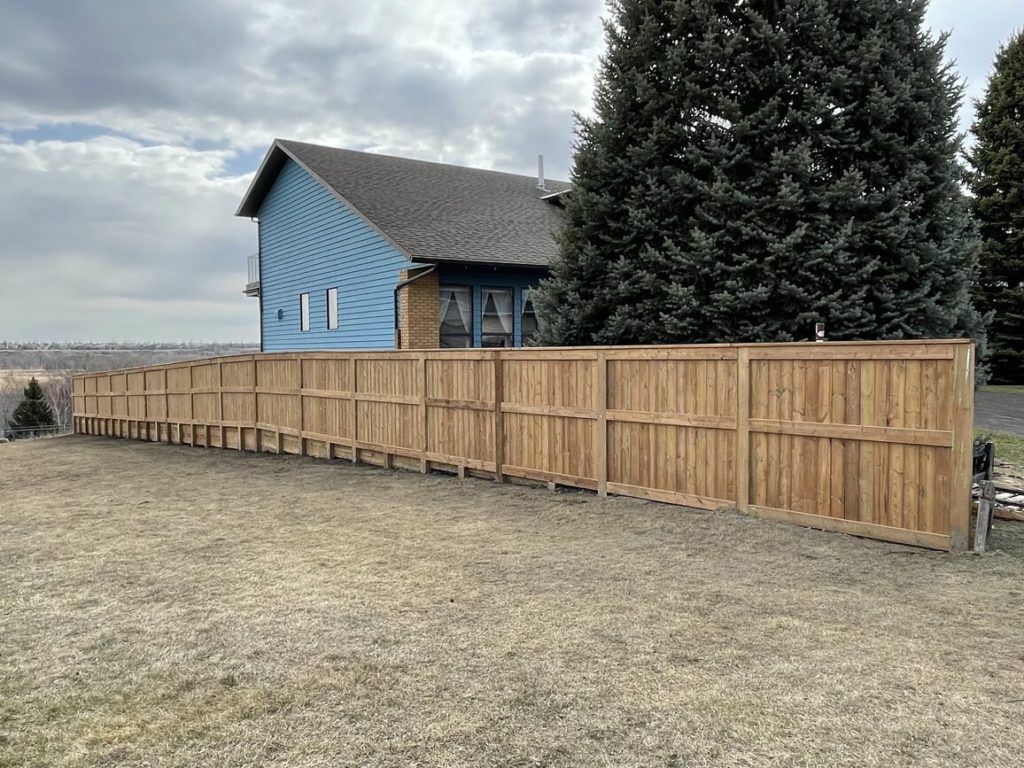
x=267, y=174
x=261, y=183
x=478, y=263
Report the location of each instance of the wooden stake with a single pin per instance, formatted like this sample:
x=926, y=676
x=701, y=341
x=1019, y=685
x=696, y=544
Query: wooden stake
x=983, y=524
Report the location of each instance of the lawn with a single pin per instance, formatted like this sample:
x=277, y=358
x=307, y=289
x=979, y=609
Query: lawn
x=168, y=606
x=1009, y=448
x=1004, y=388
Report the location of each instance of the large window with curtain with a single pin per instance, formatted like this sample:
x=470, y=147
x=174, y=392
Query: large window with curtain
x=496, y=317
x=455, y=316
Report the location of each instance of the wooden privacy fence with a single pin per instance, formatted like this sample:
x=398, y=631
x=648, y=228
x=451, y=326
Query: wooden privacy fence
x=868, y=438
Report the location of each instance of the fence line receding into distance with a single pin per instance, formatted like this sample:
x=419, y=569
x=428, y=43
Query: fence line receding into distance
x=870, y=438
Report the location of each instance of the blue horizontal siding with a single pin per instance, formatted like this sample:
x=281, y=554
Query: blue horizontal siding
x=310, y=241
x=478, y=279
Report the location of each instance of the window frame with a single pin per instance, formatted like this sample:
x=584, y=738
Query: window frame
x=511, y=335
x=332, y=308
x=304, y=312
x=469, y=334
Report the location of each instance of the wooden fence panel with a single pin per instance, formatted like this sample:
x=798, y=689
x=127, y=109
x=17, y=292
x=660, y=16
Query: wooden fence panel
x=673, y=425
x=869, y=438
x=459, y=404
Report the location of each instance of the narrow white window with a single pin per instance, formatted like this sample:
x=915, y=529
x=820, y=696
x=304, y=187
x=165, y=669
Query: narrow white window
x=304, y=311
x=332, y=309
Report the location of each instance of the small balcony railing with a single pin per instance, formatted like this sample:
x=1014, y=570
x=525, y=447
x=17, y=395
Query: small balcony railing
x=252, y=285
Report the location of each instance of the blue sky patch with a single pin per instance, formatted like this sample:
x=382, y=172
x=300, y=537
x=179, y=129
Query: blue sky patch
x=246, y=161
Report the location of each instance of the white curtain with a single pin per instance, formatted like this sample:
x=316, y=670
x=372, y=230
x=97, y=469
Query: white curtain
x=442, y=307
x=463, y=302
x=503, y=305
x=464, y=298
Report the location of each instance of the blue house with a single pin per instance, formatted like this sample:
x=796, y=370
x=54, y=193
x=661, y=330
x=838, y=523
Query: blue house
x=359, y=250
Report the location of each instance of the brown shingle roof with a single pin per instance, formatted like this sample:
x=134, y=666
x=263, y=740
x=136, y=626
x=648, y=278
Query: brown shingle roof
x=432, y=211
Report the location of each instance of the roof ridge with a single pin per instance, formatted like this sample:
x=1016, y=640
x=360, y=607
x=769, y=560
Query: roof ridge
x=417, y=160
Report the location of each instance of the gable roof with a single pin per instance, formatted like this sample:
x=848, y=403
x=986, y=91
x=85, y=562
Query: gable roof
x=430, y=211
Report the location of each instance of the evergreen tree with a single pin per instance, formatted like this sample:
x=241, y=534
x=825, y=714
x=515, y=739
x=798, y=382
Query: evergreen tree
x=753, y=168
x=34, y=411
x=998, y=186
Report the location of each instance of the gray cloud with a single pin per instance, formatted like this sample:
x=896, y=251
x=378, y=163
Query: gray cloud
x=106, y=238
x=124, y=118
x=67, y=57
x=407, y=78
x=535, y=25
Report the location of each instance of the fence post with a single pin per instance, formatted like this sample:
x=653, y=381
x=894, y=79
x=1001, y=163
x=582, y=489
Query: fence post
x=424, y=443
x=963, y=447
x=499, y=419
x=601, y=396
x=302, y=410
x=355, y=409
x=743, y=429
x=191, y=406
x=220, y=403
x=255, y=410
x=145, y=408
x=167, y=409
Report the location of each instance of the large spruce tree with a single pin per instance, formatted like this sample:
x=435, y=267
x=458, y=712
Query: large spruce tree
x=998, y=186
x=753, y=168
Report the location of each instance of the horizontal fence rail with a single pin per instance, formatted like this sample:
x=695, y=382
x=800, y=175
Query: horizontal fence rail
x=869, y=438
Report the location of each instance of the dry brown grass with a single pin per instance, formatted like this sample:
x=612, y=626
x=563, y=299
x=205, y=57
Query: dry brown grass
x=168, y=606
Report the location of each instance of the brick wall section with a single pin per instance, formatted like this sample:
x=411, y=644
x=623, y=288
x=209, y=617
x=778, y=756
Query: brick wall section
x=417, y=312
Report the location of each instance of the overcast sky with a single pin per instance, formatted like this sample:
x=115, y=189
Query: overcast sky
x=129, y=130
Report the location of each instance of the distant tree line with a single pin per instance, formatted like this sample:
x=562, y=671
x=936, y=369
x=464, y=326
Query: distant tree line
x=124, y=345
x=56, y=364
x=99, y=358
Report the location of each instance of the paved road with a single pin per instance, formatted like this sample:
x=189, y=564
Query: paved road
x=999, y=411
